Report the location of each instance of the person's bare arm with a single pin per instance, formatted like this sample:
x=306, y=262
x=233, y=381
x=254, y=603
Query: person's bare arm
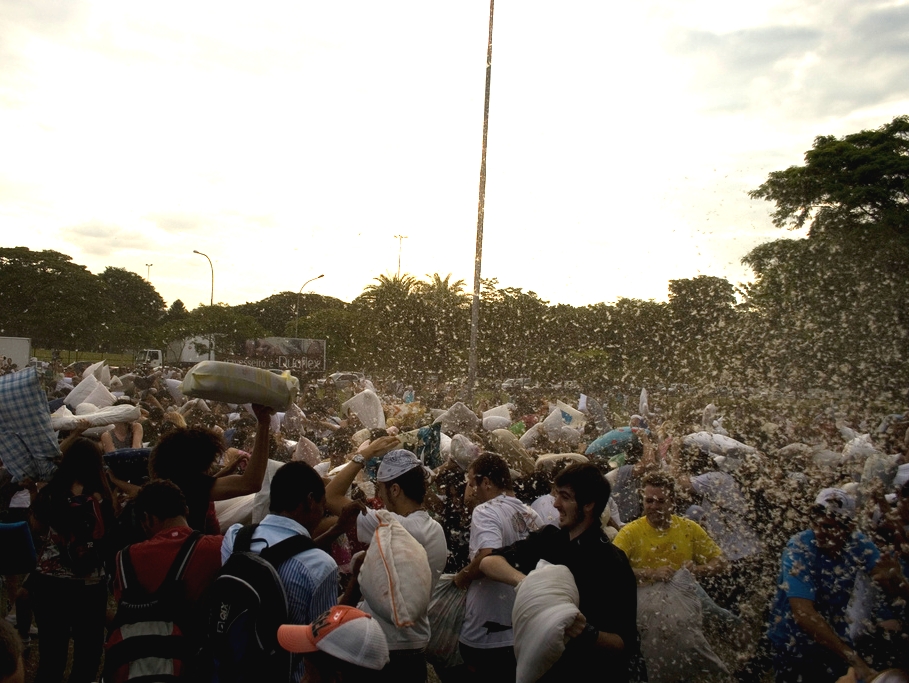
x=131, y=490
x=718, y=565
x=232, y=458
x=497, y=568
x=74, y=434
x=812, y=623
x=682, y=480
x=151, y=399
x=250, y=481
x=351, y=595
x=336, y=490
x=472, y=571
x=107, y=443
x=649, y=458
x=137, y=435
x=341, y=524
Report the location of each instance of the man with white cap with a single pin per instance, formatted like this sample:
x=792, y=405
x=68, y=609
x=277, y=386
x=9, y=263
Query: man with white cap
x=343, y=644
x=808, y=628
x=401, y=485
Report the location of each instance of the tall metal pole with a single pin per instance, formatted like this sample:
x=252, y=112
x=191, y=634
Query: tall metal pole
x=297, y=309
x=400, y=239
x=211, y=342
x=481, y=209
x=148, y=275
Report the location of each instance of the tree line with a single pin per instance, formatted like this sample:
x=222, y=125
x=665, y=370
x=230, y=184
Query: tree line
x=830, y=310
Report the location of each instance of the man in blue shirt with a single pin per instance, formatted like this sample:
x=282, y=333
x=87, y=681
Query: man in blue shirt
x=808, y=626
x=310, y=578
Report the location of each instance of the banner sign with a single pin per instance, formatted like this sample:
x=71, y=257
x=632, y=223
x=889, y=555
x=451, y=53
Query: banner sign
x=283, y=353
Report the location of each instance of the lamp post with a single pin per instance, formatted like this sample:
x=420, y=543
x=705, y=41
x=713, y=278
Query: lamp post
x=400, y=239
x=481, y=211
x=148, y=275
x=212, y=301
x=297, y=310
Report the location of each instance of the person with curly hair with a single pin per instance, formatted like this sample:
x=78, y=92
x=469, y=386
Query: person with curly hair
x=187, y=457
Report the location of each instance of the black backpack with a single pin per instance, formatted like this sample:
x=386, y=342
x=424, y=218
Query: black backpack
x=83, y=547
x=147, y=638
x=247, y=603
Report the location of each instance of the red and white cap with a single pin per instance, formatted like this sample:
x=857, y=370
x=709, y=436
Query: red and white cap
x=343, y=632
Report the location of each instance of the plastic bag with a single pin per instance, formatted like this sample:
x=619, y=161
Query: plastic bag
x=670, y=622
x=446, y=616
x=367, y=407
x=458, y=418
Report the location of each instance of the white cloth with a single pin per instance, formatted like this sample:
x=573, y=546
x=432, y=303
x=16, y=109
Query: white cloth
x=494, y=524
x=430, y=535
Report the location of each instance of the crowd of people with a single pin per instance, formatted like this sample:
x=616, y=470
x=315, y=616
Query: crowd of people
x=698, y=547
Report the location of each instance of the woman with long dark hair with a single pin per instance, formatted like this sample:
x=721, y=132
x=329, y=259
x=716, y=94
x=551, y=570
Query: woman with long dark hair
x=71, y=516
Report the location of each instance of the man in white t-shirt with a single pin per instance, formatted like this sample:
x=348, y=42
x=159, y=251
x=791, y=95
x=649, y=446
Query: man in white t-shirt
x=401, y=485
x=498, y=520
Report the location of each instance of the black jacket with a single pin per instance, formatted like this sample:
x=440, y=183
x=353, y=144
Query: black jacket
x=607, y=590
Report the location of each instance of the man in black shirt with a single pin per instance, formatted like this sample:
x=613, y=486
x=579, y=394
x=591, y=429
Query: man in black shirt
x=606, y=585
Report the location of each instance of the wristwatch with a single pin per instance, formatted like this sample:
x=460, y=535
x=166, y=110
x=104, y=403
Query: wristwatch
x=359, y=459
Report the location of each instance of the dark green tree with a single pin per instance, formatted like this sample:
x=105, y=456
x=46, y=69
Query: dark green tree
x=132, y=310
x=47, y=297
x=701, y=315
x=832, y=310
x=338, y=327
x=511, y=340
x=856, y=183
x=443, y=309
x=228, y=328
x=273, y=313
x=643, y=341
x=176, y=311
x=388, y=316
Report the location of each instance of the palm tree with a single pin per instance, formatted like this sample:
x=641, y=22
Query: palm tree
x=394, y=288
x=441, y=288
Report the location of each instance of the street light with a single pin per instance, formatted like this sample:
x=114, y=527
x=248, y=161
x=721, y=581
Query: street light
x=212, y=302
x=148, y=276
x=297, y=309
x=400, y=239
x=210, y=341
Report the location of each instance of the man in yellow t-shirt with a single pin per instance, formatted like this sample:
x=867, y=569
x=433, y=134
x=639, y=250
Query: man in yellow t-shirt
x=660, y=543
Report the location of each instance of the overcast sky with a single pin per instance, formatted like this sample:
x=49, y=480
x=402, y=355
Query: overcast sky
x=289, y=139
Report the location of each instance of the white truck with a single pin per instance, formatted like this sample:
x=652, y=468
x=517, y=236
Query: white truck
x=15, y=351
x=180, y=353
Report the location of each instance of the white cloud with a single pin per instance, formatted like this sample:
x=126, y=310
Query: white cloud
x=294, y=139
